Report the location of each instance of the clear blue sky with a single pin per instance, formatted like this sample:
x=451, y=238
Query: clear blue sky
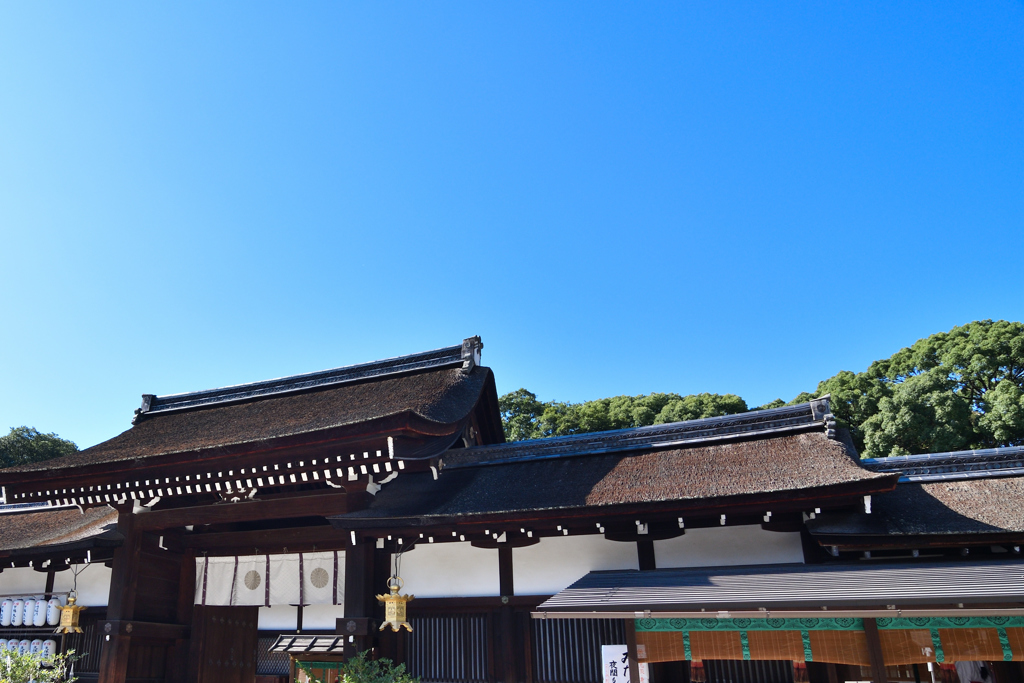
x=619, y=197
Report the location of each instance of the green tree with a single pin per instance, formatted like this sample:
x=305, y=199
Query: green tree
x=525, y=417
x=520, y=411
x=953, y=390
x=25, y=445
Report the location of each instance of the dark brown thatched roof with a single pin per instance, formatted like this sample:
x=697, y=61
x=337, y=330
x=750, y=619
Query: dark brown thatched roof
x=946, y=508
x=39, y=529
x=733, y=470
x=443, y=397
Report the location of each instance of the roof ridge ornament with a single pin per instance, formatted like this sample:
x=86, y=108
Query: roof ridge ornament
x=821, y=409
x=471, y=348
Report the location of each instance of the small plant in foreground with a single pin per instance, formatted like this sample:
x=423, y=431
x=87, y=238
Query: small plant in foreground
x=29, y=668
x=361, y=669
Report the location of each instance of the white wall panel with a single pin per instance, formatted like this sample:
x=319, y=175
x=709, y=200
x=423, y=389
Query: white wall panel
x=278, y=618
x=447, y=570
x=321, y=617
x=93, y=584
x=728, y=545
x=21, y=581
x=553, y=564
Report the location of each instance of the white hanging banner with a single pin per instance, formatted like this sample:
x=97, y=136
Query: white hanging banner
x=323, y=578
x=294, y=579
x=250, y=581
x=213, y=580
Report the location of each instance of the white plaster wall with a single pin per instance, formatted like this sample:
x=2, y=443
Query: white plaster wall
x=20, y=581
x=93, y=583
x=728, y=545
x=553, y=564
x=321, y=616
x=279, y=617
x=447, y=570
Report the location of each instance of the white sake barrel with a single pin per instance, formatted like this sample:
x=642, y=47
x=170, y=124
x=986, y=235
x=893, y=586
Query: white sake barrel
x=24, y=646
x=17, y=611
x=53, y=612
x=12, y=644
x=49, y=648
x=36, y=646
x=6, y=608
x=39, y=616
x=3, y=646
x=28, y=611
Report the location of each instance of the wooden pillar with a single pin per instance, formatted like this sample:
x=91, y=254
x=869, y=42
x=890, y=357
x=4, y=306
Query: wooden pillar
x=506, y=619
x=121, y=600
x=634, y=662
x=178, y=666
x=48, y=591
x=358, y=589
x=878, y=674
x=645, y=554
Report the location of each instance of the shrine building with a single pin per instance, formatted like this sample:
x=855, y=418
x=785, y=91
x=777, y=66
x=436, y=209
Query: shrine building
x=244, y=534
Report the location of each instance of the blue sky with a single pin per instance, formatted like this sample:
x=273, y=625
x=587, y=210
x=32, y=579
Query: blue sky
x=619, y=197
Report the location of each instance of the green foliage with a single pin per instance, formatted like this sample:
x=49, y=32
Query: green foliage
x=953, y=390
x=360, y=669
x=28, y=668
x=524, y=417
x=520, y=411
x=950, y=391
x=25, y=445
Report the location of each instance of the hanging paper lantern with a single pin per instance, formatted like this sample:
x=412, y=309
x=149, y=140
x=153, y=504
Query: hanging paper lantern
x=395, y=606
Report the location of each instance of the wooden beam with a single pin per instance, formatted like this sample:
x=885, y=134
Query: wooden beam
x=878, y=674
x=313, y=505
x=146, y=629
x=324, y=536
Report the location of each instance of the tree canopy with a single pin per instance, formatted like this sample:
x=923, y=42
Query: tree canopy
x=950, y=391
x=525, y=417
x=24, y=445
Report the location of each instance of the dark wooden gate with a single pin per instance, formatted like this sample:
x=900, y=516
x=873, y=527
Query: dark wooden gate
x=224, y=643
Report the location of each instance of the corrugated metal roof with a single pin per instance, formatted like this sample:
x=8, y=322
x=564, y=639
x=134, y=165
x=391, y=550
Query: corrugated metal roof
x=783, y=587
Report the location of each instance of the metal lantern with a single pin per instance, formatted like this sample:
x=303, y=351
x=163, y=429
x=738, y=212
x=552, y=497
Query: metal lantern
x=395, y=606
x=69, y=614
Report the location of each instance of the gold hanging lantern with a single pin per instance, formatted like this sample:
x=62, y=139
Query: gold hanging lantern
x=69, y=615
x=395, y=606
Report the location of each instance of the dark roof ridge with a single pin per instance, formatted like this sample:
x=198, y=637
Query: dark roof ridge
x=466, y=354
x=983, y=463
x=691, y=432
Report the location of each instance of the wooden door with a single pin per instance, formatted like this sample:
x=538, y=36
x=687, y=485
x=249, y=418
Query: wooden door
x=224, y=643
